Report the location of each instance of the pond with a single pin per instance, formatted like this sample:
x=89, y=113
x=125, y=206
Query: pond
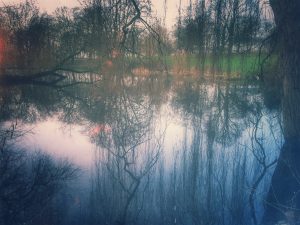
x=149, y=150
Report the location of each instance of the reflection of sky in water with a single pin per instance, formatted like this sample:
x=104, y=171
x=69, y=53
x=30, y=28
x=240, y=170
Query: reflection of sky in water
x=73, y=141
x=180, y=123
x=60, y=140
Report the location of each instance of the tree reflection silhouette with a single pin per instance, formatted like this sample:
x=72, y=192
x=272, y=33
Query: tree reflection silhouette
x=30, y=183
x=216, y=171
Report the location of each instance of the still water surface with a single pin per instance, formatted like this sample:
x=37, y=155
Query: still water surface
x=156, y=151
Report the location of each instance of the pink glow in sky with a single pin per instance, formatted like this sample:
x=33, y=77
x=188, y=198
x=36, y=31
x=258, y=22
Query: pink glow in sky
x=51, y=5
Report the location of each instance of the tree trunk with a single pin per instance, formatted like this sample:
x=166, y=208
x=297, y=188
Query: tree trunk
x=287, y=19
x=283, y=201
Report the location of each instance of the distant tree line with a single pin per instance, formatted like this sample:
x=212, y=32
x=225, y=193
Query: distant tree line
x=96, y=29
x=102, y=29
x=219, y=26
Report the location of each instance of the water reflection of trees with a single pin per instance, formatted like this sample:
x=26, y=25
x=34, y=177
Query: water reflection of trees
x=127, y=154
x=73, y=104
x=207, y=181
x=226, y=105
x=218, y=174
x=31, y=184
x=282, y=203
x=225, y=169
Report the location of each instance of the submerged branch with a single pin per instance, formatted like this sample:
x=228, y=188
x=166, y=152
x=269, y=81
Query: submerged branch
x=52, y=75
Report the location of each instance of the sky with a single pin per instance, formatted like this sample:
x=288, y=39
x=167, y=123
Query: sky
x=172, y=7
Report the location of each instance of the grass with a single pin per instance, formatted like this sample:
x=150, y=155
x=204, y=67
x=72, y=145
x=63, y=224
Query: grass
x=241, y=66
